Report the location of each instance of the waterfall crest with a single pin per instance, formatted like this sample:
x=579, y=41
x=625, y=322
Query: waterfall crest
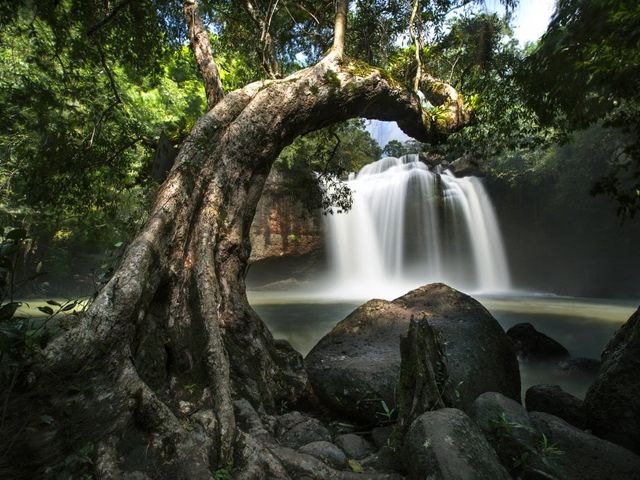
x=409, y=226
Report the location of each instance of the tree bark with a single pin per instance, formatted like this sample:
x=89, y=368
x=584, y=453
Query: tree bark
x=415, y=38
x=340, y=28
x=201, y=48
x=150, y=374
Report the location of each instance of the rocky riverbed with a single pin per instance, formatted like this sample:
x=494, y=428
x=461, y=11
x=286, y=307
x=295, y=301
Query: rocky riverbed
x=428, y=386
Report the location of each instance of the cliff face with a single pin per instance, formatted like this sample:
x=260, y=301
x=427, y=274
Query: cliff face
x=282, y=226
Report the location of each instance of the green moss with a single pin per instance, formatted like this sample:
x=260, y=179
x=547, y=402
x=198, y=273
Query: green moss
x=331, y=79
x=363, y=69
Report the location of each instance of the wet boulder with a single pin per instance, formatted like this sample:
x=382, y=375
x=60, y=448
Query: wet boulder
x=446, y=445
x=506, y=425
x=612, y=402
x=581, y=456
x=530, y=344
x=355, y=368
x=327, y=452
x=554, y=400
x=478, y=354
x=295, y=430
x=354, y=446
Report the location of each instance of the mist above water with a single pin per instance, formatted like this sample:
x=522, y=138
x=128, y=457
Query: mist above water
x=409, y=226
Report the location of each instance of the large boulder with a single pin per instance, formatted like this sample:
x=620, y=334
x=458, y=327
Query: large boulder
x=530, y=344
x=479, y=355
x=582, y=456
x=612, y=402
x=506, y=425
x=356, y=366
x=446, y=445
x=554, y=400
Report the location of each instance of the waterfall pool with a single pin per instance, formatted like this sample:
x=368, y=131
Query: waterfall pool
x=582, y=325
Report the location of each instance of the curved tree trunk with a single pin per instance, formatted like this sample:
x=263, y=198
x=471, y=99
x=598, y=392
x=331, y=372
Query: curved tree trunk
x=150, y=375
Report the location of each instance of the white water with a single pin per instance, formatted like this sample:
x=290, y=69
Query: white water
x=409, y=226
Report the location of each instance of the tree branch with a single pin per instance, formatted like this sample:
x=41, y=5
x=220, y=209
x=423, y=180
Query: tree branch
x=417, y=43
x=201, y=48
x=268, y=57
x=110, y=16
x=112, y=81
x=340, y=28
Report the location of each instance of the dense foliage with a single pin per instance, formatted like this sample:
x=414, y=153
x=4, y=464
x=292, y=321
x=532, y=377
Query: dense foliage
x=586, y=70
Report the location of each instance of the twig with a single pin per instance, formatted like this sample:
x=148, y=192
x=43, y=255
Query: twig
x=112, y=81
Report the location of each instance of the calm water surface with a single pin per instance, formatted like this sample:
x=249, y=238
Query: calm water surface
x=582, y=325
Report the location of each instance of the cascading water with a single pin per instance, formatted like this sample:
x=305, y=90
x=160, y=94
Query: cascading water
x=409, y=226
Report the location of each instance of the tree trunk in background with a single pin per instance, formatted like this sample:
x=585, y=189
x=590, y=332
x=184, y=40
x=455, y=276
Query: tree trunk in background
x=201, y=48
x=150, y=375
x=340, y=28
x=267, y=50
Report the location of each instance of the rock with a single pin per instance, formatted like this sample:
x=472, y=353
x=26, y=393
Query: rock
x=380, y=435
x=284, y=422
x=384, y=460
x=300, y=465
x=431, y=159
x=582, y=456
x=446, y=445
x=579, y=366
x=296, y=430
x=354, y=446
x=479, y=356
x=612, y=402
x=285, y=234
x=424, y=381
x=506, y=425
x=327, y=452
x=356, y=366
x=465, y=166
x=554, y=400
x=531, y=344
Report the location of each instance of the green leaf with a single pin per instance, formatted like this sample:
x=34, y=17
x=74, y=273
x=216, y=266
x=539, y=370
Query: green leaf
x=118, y=245
x=47, y=310
x=69, y=306
x=54, y=303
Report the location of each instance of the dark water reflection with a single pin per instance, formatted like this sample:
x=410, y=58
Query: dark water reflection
x=583, y=326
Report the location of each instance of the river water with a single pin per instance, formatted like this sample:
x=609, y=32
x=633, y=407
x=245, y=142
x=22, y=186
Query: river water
x=582, y=325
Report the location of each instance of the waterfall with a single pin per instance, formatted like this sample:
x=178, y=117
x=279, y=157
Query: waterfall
x=409, y=226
